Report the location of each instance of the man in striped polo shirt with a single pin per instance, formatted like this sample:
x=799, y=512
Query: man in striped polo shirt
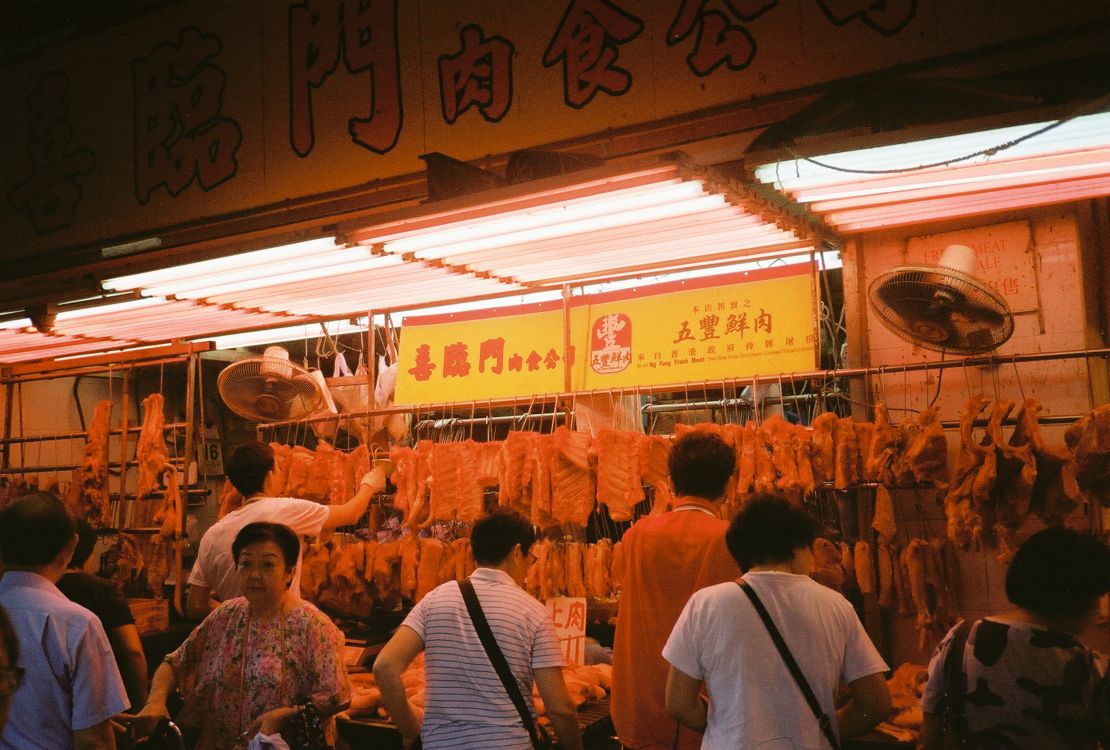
x=465, y=703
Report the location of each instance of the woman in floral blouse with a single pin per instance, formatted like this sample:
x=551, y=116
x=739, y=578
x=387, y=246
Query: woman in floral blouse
x=258, y=663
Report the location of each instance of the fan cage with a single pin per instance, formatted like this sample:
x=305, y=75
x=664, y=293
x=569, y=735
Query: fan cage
x=267, y=388
x=941, y=309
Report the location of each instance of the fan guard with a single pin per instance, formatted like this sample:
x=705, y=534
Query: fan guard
x=940, y=308
x=267, y=389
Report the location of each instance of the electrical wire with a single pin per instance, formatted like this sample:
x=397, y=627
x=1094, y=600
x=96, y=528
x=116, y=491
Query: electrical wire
x=990, y=151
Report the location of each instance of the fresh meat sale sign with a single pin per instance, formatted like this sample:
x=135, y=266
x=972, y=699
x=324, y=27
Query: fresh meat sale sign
x=709, y=329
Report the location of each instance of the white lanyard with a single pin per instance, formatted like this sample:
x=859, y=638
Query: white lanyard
x=698, y=508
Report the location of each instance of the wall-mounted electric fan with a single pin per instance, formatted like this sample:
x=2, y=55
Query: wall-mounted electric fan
x=943, y=307
x=271, y=388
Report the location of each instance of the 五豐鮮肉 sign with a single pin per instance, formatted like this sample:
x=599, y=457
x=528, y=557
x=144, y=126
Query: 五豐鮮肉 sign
x=713, y=328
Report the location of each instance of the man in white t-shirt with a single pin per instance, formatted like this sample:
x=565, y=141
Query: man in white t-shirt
x=721, y=642
x=213, y=574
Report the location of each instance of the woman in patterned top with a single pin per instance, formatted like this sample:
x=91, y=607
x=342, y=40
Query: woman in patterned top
x=256, y=660
x=1029, y=682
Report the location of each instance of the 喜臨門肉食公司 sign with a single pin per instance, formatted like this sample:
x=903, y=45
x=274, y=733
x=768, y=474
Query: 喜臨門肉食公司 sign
x=705, y=329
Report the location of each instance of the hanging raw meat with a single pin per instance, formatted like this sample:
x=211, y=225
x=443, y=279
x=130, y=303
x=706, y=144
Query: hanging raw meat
x=410, y=561
x=168, y=515
x=827, y=570
x=914, y=559
x=151, y=453
x=1017, y=475
x=599, y=562
x=747, y=442
x=341, y=479
x=300, y=468
x=884, y=522
x=846, y=469
x=542, y=455
x=128, y=560
x=88, y=492
x=318, y=485
x=455, y=492
x=865, y=567
x=572, y=487
x=412, y=473
x=901, y=583
x=314, y=570
x=274, y=486
x=765, y=473
x=823, y=447
x=848, y=565
x=655, y=472
x=384, y=572
x=230, y=499
x=1089, y=441
x=986, y=477
x=575, y=569
x=865, y=433
x=514, y=475
x=964, y=525
x=927, y=453
x=427, y=575
x=618, y=473
x=158, y=563
x=886, y=576
x=886, y=444
x=777, y=433
x=801, y=441
x=485, y=461
x=1056, y=491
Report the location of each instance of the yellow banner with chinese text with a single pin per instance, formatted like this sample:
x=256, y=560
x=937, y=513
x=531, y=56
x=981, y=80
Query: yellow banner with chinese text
x=708, y=329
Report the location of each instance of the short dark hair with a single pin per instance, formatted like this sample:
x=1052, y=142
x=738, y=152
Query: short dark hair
x=248, y=466
x=263, y=531
x=496, y=533
x=768, y=529
x=86, y=540
x=700, y=464
x=7, y=634
x=34, y=529
x=1059, y=571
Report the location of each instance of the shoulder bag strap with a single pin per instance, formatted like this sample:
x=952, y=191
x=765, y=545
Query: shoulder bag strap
x=795, y=671
x=497, y=659
x=955, y=681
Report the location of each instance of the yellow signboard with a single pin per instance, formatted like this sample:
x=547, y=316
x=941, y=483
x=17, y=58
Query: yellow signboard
x=709, y=329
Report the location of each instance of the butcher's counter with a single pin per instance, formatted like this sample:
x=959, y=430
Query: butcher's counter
x=593, y=719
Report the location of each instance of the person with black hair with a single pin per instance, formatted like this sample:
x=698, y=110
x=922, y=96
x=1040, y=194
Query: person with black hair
x=11, y=674
x=104, y=599
x=1033, y=683
x=266, y=662
x=466, y=705
x=71, y=687
x=214, y=573
x=720, y=642
x=666, y=558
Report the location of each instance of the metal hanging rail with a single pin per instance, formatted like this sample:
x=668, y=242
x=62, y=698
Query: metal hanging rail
x=79, y=435
x=568, y=398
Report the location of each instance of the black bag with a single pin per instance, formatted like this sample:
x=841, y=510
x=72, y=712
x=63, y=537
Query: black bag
x=795, y=671
x=540, y=736
x=308, y=730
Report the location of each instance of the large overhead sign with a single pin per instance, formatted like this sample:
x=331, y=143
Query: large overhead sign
x=700, y=330
x=205, y=108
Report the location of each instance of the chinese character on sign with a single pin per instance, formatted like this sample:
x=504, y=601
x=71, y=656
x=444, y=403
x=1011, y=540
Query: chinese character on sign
x=516, y=363
x=492, y=349
x=708, y=326
x=763, y=321
x=180, y=135
x=720, y=40
x=456, y=362
x=736, y=323
x=768, y=343
x=552, y=359
x=533, y=361
x=1010, y=285
x=479, y=75
x=366, y=34
x=887, y=17
x=586, y=41
x=611, y=343
x=50, y=195
x=684, y=333
x=422, y=369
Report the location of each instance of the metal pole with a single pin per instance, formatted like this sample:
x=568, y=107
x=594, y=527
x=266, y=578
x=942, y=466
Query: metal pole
x=125, y=401
x=753, y=380
x=191, y=375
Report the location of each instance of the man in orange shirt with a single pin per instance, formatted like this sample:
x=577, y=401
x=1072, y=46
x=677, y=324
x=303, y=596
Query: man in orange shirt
x=665, y=560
